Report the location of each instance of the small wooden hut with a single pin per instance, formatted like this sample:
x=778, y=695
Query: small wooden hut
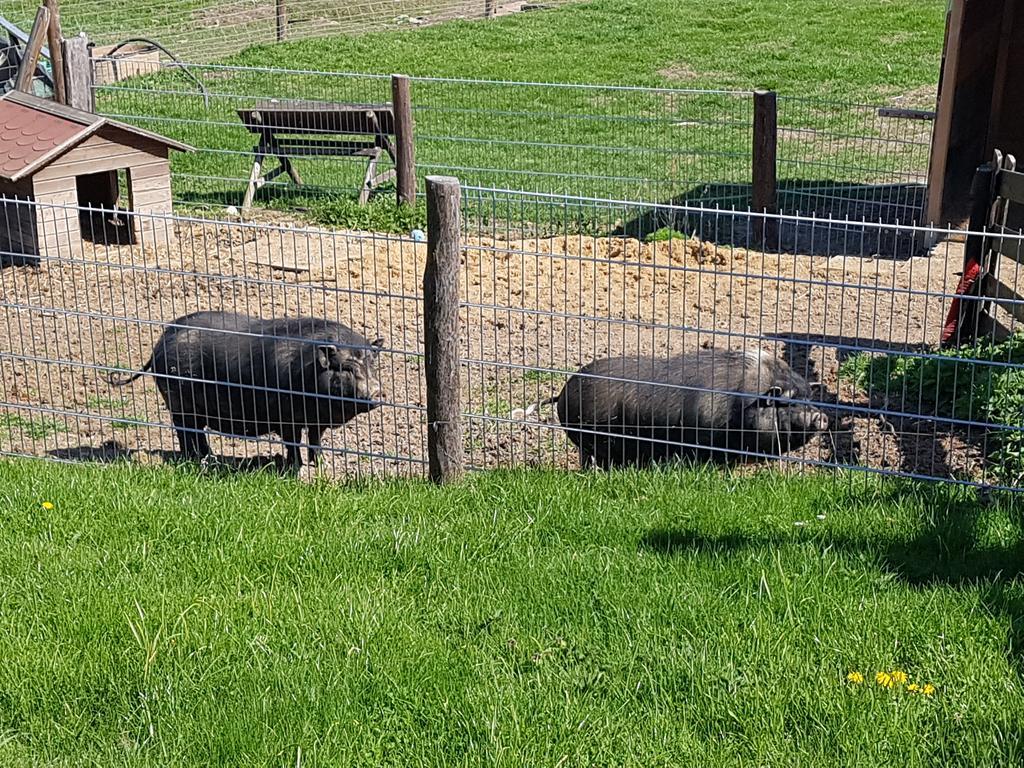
x=60, y=157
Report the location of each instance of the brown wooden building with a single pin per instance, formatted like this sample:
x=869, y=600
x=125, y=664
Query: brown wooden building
x=981, y=100
x=59, y=157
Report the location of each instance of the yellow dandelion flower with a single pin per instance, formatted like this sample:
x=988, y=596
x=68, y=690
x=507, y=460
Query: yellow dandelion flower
x=855, y=677
x=884, y=679
x=47, y=505
x=928, y=689
x=913, y=687
x=898, y=676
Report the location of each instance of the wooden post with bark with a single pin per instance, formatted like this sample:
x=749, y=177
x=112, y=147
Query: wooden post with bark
x=54, y=38
x=282, y=20
x=34, y=46
x=78, y=73
x=405, y=150
x=764, y=181
x=441, y=326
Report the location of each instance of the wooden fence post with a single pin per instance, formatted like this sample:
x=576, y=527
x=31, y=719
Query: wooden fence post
x=764, y=182
x=27, y=68
x=975, y=318
x=441, y=326
x=78, y=73
x=282, y=20
x=54, y=38
x=405, y=161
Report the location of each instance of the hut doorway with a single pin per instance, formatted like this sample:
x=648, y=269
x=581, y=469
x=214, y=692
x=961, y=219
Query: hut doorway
x=107, y=198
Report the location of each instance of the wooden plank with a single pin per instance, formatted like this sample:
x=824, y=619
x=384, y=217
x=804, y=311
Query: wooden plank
x=1004, y=296
x=69, y=170
x=298, y=117
x=906, y=114
x=34, y=46
x=154, y=170
x=1011, y=246
x=441, y=325
x=78, y=73
x=1010, y=186
x=148, y=199
x=404, y=153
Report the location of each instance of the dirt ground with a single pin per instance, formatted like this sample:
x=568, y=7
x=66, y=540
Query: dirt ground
x=534, y=309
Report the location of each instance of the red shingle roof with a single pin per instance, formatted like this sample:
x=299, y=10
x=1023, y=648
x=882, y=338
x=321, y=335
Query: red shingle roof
x=35, y=131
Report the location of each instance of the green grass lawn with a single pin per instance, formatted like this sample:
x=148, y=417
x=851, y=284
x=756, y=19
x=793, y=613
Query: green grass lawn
x=160, y=617
x=653, y=146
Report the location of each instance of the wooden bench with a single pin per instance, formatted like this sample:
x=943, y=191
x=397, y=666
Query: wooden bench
x=996, y=224
x=289, y=129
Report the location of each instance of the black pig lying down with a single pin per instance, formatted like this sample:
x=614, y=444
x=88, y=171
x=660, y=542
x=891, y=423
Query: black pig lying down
x=249, y=377
x=634, y=411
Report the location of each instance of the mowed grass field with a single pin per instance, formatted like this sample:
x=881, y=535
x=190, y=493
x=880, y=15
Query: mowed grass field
x=652, y=146
x=163, y=617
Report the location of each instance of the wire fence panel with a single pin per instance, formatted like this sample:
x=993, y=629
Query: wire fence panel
x=207, y=30
x=851, y=312
x=77, y=309
x=850, y=161
x=654, y=144
x=88, y=292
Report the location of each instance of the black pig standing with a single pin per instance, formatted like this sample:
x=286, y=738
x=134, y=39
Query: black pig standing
x=711, y=404
x=249, y=377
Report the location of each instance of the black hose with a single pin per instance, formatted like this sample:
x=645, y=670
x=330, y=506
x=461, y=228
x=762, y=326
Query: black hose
x=177, y=62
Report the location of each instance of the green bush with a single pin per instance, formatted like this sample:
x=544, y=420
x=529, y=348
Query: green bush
x=971, y=383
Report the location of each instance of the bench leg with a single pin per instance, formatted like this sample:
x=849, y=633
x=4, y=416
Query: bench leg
x=371, y=169
x=254, y=176
x=286, y=163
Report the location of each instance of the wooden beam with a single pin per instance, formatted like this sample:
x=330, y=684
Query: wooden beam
x=34, y=46
x=944, y=114
x=54, y=39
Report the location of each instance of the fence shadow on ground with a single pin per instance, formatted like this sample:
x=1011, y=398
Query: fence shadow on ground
x=844, y=202
x=113, y=452
x=947, y=552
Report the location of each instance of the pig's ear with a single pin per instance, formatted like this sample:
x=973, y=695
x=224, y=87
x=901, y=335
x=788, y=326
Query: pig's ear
x=323, y=355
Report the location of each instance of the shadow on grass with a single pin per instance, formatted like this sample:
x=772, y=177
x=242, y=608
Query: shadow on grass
x=947, y=551
x=823, y=198
x=113, y=452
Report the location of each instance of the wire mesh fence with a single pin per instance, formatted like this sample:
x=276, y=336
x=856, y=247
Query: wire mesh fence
x=838, y=341
x=78, y=308
x=207, y=30
x=655, y=144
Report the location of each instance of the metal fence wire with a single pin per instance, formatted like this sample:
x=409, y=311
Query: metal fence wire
x=662, y=145
x=856, y=309
x=207, y=30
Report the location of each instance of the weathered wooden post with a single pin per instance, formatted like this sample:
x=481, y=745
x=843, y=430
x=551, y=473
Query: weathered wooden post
x=54, y=38
x=441, y=326
x=764, y=182
x=282, y=20
x=405, y=160
x=78, y=73
x=27, y=68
